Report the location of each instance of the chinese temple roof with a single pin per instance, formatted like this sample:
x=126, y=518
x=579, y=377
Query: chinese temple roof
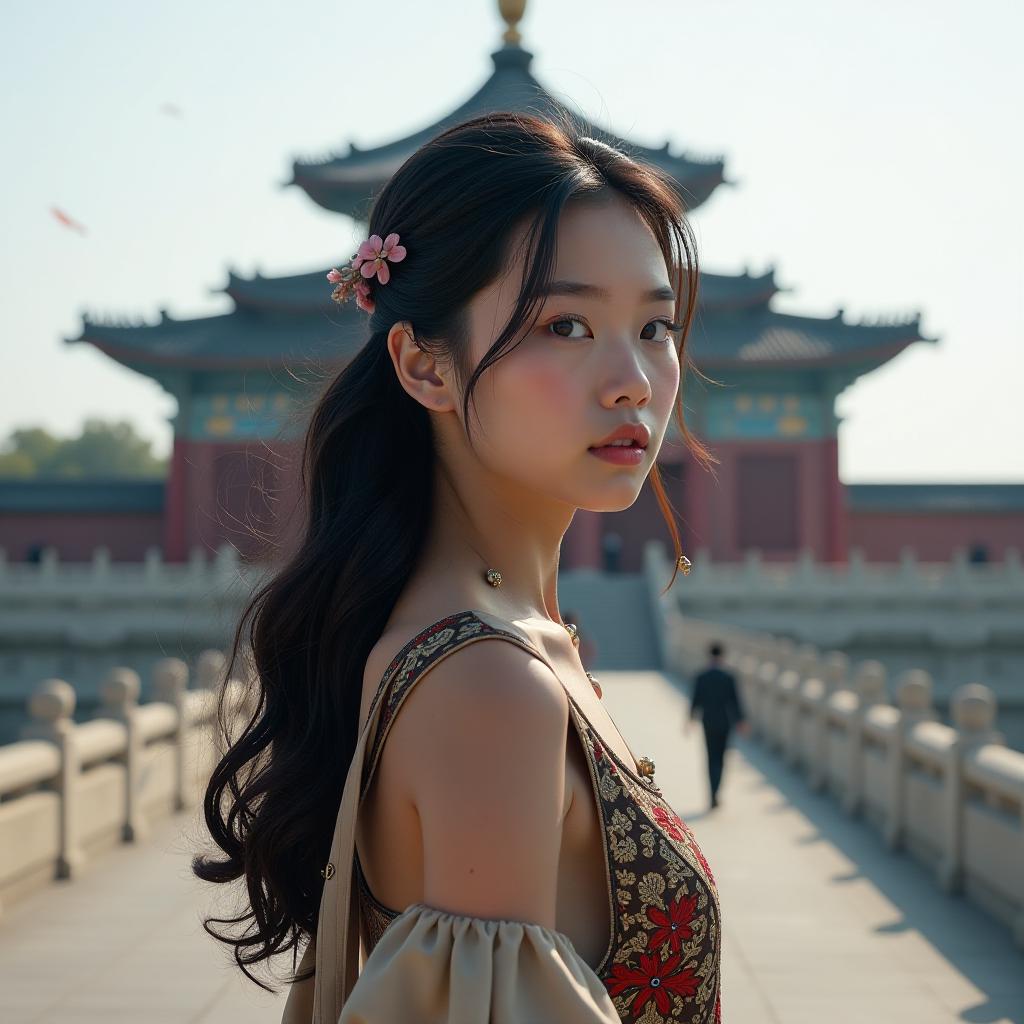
x=241, y=339
x=280, y=320
x=287, y=320
x=251, y=336
x=766, y=338
x=346, y=183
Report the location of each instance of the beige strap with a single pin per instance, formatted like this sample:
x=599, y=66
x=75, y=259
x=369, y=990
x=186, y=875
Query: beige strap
x=337, y=933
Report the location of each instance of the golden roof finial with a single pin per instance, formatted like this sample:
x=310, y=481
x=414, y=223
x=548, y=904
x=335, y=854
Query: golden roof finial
x=511, y=12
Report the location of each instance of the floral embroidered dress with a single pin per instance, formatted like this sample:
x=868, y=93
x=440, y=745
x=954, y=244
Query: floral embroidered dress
x=663, y=960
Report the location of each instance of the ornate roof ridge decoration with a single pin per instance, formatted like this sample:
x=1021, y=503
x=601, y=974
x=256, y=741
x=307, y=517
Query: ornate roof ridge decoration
x=882, y=319
x=344, y=182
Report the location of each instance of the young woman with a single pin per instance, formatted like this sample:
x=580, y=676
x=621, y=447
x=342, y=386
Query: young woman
x=529, y=291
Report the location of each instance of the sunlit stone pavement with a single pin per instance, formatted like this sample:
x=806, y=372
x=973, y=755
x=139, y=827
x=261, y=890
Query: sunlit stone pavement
x=822, y=923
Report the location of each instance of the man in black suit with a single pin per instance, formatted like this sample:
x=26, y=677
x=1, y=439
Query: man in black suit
x=717, y=701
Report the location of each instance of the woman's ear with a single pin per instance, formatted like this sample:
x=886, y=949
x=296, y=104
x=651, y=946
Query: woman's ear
x=418, y=370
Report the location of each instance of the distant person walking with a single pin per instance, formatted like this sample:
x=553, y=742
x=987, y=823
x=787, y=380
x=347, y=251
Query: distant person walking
x=716, y=701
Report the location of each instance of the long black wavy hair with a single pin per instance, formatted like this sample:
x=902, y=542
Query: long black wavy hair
x=367, y=472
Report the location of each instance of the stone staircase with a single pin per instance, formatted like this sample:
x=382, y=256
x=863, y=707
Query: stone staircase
x=614, y=611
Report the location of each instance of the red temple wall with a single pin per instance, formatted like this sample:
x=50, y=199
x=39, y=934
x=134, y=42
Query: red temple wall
x=779, y=496
x=935, y=535
x=776, y=496
x=75, y=535
x=230, y=491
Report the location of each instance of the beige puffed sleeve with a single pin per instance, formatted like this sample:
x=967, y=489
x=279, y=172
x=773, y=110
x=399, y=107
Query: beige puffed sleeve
x=434, y=967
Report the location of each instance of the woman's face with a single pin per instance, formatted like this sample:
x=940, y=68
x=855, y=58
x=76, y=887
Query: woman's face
x=597, y=359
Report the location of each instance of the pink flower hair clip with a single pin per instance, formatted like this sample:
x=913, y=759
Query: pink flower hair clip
x=370, y=260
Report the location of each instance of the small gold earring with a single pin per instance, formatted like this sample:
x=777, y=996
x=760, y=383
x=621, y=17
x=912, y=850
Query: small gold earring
x=493, y=577
x=684, y=564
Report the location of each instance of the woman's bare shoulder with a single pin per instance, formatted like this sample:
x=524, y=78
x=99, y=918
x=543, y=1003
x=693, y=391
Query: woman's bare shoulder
x=483, y=746
x=480, y=686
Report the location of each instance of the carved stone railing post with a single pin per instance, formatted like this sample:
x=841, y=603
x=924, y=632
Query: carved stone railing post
x=197, y=565
x=835, y=669
x=211, y=675
x=767, y=672
x=813, y=694
x=49, y=563
x=784, y=651
x=914, y=699
x=170, y=681
x=119, y=694
x=746, y=670
x=805, y=662
x=973, y=710
x=101, y=566
x=227, y=563
x=787, y=712
x=211, y=666
x=869, y=686
x=50, y=708
x=153, y=565
x=807, y=658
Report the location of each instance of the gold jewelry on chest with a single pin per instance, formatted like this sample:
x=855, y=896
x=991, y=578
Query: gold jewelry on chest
x=493, y=577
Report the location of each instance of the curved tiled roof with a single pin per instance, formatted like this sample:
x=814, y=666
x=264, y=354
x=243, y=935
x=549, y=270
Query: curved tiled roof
x=285, y=321
x=765, y=337
x=346, y=183
x=249, y=337
x=240, y=339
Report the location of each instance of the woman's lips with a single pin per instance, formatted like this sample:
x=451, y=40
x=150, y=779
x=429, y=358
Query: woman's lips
x=620, y=455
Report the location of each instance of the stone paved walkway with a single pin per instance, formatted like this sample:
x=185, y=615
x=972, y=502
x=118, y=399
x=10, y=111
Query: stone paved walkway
x=822, y=924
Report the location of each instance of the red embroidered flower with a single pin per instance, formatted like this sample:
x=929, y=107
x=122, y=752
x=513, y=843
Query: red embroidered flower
x=670, y=822
x=675, y=925
x=654, y=980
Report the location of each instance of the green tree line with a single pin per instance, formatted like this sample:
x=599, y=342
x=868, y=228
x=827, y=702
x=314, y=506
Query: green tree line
x=103, y=448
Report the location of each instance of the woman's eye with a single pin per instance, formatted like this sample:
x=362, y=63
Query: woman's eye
x=563, y=327
x=567, y=322
x=662, y=335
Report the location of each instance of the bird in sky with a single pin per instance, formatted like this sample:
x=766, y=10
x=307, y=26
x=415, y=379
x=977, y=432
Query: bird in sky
x=67, y=221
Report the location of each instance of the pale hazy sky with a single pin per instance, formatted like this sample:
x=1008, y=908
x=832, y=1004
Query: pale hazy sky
x=877, y=148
